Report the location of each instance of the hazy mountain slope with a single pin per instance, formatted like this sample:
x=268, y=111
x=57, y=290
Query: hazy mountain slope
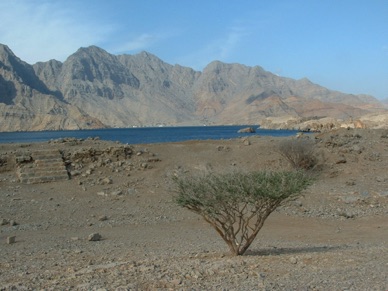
x=26, y=103
x=106, y=86
x=93, y=88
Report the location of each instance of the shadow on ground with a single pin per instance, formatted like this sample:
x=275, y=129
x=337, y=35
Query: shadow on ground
x=297, y=250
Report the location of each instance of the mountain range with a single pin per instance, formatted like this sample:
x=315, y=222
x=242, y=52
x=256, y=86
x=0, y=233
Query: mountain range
x=95, y=89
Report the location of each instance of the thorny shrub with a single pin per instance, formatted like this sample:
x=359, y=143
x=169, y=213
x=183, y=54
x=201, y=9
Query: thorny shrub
x=300, y=153
x=237, y=204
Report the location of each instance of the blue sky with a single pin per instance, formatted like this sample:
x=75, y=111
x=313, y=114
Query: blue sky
x=339, y=44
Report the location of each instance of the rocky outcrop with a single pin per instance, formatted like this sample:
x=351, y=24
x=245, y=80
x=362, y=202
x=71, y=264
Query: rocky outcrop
x=247, y=130
x=95, y=89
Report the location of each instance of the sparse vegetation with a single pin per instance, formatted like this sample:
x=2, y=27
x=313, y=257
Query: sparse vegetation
x=300, y=153
x=237, y=204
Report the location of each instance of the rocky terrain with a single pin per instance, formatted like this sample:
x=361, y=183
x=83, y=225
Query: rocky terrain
x=95, y=89
x=111, y=224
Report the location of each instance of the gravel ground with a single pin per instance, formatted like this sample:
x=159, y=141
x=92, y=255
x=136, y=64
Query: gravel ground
x=333, y=238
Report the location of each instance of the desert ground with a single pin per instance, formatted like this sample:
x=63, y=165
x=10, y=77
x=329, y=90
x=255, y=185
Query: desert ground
x=334, y=237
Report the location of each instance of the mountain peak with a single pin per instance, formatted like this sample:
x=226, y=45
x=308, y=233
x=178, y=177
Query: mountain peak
x=91, y=51
x=91, y=48
x=144, y=55
x=7, y=56
x=5, y=48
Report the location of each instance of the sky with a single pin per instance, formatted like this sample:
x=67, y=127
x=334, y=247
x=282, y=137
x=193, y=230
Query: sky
x=339, y=44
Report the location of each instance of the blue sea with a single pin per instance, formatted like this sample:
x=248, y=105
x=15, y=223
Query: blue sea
x=144, y=135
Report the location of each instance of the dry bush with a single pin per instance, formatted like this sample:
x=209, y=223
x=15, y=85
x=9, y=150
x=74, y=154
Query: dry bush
x=237, y=204
x=300, y=153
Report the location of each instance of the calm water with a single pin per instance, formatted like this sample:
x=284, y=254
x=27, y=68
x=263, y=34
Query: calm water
x=143, y=135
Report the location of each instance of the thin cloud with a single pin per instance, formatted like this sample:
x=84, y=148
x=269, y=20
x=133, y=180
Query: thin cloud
x=141, y=42
x=221, y=49
x=43, y=30
x=232, y=41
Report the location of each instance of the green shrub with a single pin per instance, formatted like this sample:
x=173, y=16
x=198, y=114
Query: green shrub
x=237, y=204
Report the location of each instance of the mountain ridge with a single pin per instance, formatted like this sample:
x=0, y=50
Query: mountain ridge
x=94, y=89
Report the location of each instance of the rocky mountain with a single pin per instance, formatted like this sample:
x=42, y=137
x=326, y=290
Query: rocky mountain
x=95, y=89
x=27, y=103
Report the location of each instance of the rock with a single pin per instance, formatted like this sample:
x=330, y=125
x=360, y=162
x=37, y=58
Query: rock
x=94, y=237
x=247, y=130
x=75, y=173
x=383, y=193
x=4, y=221
x=347, y=214
x=246, y=142
x=106, y=181
x=11, y=240
x=131, y=191
x=298, y=203
x=116, y=193
x=223, y=148
x=23, y=159
x=293, y=260
x=103, y=218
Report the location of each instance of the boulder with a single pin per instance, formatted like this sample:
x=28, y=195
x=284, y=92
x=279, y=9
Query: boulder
x=11, y=239
x=247, y=130
x=94, y=237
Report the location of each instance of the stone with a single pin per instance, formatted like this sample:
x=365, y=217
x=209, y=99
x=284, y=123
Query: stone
x=11, y=240
x=116, y=193
x=4, y=221
x=298, y=203
x=94, y=237
x=131, y=191
x=293, y=260
x=75, y=173
x=247, y=130
x=347, y=214
x=106, y=181
x=103, y=218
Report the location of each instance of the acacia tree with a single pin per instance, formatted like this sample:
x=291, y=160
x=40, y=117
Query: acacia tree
x=237, y=204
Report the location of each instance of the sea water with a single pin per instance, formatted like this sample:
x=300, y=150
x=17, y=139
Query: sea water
x=144, y=135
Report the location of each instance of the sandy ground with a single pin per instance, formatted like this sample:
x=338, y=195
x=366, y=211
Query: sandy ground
x=335, y=237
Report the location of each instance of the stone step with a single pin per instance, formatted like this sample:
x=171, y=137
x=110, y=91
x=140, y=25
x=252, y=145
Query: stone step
x=47, y=166
x=43, y=173
x=46, y=152
x=49, y=163
x=45, y=179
